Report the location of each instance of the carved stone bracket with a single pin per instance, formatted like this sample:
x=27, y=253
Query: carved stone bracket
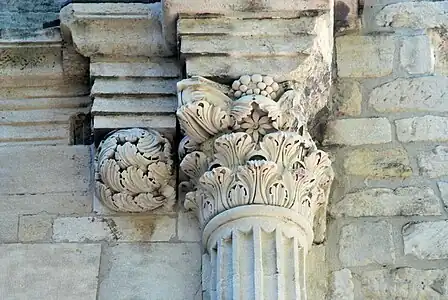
x=134, y=171
x=253, y=170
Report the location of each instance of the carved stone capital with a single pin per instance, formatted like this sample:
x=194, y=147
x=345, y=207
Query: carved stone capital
x=249, y=145
x=134, y=171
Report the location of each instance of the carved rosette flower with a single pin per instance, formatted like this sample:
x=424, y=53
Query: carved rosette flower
x=134, y=171
x=251, y=150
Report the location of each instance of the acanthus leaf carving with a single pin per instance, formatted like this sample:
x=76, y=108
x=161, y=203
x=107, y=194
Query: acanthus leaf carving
x=262, y=154
x=134, y=171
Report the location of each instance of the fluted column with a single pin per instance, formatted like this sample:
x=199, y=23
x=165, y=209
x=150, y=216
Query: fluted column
x=257, y=181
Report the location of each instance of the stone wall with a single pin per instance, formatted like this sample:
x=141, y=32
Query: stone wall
x=27, y=14
x=387, y=228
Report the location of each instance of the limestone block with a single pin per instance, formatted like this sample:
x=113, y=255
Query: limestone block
x=44, y=169
x=52, y=203
x=416, y=56
x=426, y=240
x=123, y=229
x=407, y=201
x=379, y=163
x=189, y=229
x=35, y=228
x=435, y=163
x=356, y=248
x=427, y=128
x=424, y=14
x=156, y=271
x=439, y=41
x=49, y=271
x=365, y=56
x=166, y=68
x=358, y=132
x=133, y=86
x=412, y=94
x=342, y=287
x=347, y=99
x=8, y=227
x=55, y=133
x=120, y=29
x=404, y=283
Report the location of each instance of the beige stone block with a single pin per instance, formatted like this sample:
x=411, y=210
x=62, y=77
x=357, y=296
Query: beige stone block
x=357, y=248
x=123, y=229
x=426, y=240
x=134, y=86
x=427, y=128
x=44, y=169
x=130, y=105
x=59, y=203
x=411, y=94
x=157, y=271
x=378, y=163
x=416, y=56
x=424, y=14
x=406, y=201
x=404, y=283
x=365, y=56
x=8, y=227
x=247, y=46
x=358, y=132
x=245, y=27
x=35, y=228
x=117, y=29
x=188, y=227
x=49, y=271
x=57, y=133
x=434, y=163
x=281, y=68
x=17, y=105
x=439, y=42
x=342, y=287
x=347, y=99
x=165, y=67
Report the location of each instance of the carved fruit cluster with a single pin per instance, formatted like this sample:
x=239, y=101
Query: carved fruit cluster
x=134, y=171
x=255, y=85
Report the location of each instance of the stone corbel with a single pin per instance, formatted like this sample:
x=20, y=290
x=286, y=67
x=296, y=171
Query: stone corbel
x=258, y=182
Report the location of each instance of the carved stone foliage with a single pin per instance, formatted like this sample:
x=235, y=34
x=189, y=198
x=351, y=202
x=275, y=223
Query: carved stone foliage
x=249, y=150
x=134, y=171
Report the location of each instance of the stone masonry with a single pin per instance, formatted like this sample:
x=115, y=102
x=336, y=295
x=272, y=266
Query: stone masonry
x=385, y=127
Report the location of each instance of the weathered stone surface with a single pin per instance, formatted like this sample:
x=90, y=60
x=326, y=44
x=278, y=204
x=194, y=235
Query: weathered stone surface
x=427, y=128
x=379, y=163
x=347, y=99
x=26, y=21
x=365, y=56
x=424, y=14
x=426, y=240
x=122, y=29
x=342, y=287
x=155, y=271
x=49, y=271
x=411, y=94
x=435, y=163
x=357, y=248
x=358, y=132
x=415, y=55
x=317, y=268
x=123, y=229
x=439, y=41
x=55, y=203
x=404, y=283
x=407, y=201
x=8, y=227
x=35, y=228
x=44, y=169
x=188, y=227
x=443, y=188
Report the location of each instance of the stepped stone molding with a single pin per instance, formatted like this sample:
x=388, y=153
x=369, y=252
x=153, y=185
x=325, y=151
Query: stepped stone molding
x=134, y=171
x=256, y=177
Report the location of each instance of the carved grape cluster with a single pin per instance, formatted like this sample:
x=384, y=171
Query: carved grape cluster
x=255, y=85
